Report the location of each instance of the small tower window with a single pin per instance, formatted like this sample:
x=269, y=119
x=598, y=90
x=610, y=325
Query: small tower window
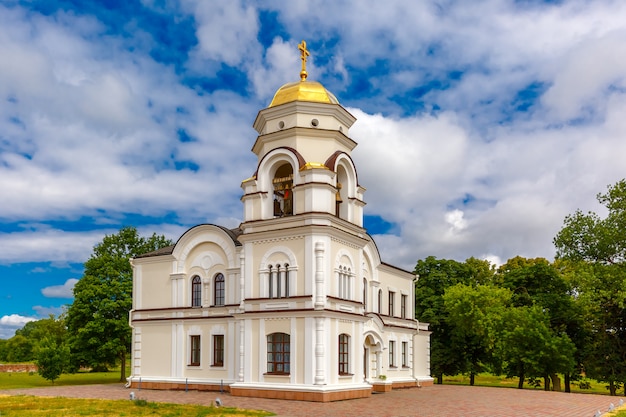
x=283, y=191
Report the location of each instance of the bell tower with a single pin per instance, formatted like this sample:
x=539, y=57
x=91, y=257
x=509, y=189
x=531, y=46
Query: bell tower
x=304, y=169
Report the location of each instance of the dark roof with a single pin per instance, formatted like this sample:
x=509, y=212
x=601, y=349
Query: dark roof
x=168, y=250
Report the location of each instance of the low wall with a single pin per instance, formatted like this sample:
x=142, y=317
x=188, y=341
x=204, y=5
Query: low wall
x=9, y=367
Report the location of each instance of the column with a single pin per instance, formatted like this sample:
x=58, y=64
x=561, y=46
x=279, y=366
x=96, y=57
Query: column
x=242, y=345
x=320, y=296
x=242, y=280
x=319, y=351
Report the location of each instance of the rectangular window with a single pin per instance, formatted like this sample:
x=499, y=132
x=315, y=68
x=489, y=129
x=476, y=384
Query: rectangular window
x=405, y=354
x=392, y=354
x=344, y=363
x=392, y=296
x=194, y=354
x=278, y=353
x=403, y=298
x=218, y=350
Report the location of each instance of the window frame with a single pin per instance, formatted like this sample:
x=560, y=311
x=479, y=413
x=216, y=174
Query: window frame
x=343, y=357
x=392, y=355
x=278, y=354
x=196, y=291
x=403, y=300
x=219, y=294
x=195, y=350
x=218, y=350
x=380, y=301
x=405, y=354
x=392, y=298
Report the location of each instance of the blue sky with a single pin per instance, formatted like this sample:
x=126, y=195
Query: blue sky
x=480, y=125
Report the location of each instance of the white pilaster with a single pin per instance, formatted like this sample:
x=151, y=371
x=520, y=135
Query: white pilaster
x=320, y=296
x=320, y=378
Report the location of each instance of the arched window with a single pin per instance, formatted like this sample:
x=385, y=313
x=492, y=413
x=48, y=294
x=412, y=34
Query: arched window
x=278, y=353
x=196, y=292
x=278, y=280
x=344, y=354
x=218, y=290
x=345, y=283
x=283, y=191
x=380, y=301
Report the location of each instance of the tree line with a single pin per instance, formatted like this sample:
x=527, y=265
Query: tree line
x=531, y=318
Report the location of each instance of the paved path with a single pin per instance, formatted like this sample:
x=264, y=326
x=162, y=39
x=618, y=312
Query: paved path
x=437, y=401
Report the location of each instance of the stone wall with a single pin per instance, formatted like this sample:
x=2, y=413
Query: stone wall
x=18, y=368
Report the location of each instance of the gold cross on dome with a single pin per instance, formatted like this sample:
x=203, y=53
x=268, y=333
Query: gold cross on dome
x=303, y=54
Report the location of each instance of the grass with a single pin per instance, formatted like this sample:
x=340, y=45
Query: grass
x=9, y=380
x=489, y=380
x=29, y=406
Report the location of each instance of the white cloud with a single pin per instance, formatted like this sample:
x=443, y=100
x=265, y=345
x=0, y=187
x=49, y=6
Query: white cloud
x=93, y=128
x=47, y=311
x=60, y=291
x=12, y=322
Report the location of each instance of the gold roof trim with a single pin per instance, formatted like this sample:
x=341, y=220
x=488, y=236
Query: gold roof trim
x=313, y=165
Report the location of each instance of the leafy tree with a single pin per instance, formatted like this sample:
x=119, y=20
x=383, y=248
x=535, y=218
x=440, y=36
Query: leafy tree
x=528, y=347
x=19, y=349
x=435, y=275
x=537, y=282
x=4, y=351
x=601, y=243
x=97, y=320
x=48, y=328
x=588, y=237
x=52, y=360
x=475, y=314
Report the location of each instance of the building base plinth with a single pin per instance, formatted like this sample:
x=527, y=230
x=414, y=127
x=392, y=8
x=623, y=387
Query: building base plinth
x=303, y=394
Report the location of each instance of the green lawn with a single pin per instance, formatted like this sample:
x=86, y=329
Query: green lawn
x=9, y=380
x=489, y=380
x=29, y=406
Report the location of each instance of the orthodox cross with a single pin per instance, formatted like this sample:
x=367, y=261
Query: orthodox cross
x=303, y=54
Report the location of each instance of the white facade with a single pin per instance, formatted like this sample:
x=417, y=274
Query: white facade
x=295, y=303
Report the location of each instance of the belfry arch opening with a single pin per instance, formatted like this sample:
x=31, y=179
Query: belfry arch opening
x=283, y=190
x=341, y=196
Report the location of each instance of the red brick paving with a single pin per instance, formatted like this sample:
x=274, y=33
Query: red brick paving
x=437, y=401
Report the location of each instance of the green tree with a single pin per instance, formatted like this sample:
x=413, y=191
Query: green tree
x=48, y=328
x=475, y=314
x=528, y=347
x=537, y=282
x=52, y=360
x=601, y=243
x=435, y=275
x=590, y=238
x=19, y=349
x=97, y=320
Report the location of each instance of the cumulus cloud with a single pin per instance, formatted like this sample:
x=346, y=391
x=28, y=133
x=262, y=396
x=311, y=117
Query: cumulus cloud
x=12, y=322
x=479, y=127
x=60, y=291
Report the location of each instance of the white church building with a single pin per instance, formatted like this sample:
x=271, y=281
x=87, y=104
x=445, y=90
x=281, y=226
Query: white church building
x=295, y=303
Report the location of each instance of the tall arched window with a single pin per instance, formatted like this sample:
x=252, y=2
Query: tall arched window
x=278, y=280
x=344, y=354
x=218, y=290
x=196, y=292
x=283, y=191
x=345, y=282
x=278, y=353
x=380, y=301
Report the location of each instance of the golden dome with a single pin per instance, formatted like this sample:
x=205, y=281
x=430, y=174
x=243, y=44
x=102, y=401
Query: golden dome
x=303, y=91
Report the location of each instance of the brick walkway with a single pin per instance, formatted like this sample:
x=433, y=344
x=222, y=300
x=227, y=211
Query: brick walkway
x=437, y=401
